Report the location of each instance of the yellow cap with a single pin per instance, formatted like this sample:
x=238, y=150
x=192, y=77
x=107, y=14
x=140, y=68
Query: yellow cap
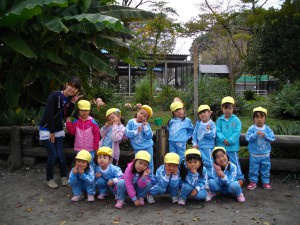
x=218, y=148
x=192, y=151
x=84, y=155
x=144, y=155
x=227, y=99
x=105, y=151
x=148, y=109
x=112, y=110
x=176, y=105
x=260, y=109
x=172, y=157
x=84, y=105
x=203, y=107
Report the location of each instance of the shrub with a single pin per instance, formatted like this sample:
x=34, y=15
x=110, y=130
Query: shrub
x=249, y=95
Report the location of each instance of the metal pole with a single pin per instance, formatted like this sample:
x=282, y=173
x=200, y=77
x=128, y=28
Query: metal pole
x=195, y=82
x=129, y=78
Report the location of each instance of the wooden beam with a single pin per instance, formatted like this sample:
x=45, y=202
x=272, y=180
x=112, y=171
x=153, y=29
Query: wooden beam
x=15, y=146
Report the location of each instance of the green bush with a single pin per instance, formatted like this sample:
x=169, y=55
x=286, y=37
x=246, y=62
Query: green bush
x=19, y=117
x=287, y=102
x=142, y=91
x=249, y=95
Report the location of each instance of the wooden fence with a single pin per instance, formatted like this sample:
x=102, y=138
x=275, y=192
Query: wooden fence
x=21, y=150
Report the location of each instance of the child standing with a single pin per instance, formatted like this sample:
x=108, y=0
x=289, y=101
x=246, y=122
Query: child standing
x=135, y=181
x=259, y=137
x=82, y=177
x=167, y=178
x=60, y=105
x=139, y=132
x=193, y=176
x=228, y=134
x=180, y=129
x=107, y=175
x=204, y=137
x=225, y=180
x=112, y=132
x=85, y=129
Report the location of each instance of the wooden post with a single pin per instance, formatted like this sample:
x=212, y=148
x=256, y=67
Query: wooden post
x=161, y=145
x=196, y=81
x=15, y=146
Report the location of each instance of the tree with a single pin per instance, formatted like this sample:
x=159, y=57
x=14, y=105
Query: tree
x=44, y=41
x=274, y=48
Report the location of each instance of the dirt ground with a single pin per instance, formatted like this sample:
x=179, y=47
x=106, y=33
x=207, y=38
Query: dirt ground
x=26, y=200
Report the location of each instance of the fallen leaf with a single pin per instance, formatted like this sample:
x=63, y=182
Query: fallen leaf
x=116, y=220
x=41, y=200
x=63, y=222
x=266, y=223
x=158, y=212
x=28, y=209
x=196, y=218
x=19, y=205
x=288, y=195
x=257, y=220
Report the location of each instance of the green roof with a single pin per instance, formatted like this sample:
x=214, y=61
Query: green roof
x=252, y=79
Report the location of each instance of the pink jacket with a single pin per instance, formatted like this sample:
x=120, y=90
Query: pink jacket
x=86, y=133
x=128, y=178
x=117, y=136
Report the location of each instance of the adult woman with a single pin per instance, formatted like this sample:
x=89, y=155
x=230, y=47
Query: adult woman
x=60, y=105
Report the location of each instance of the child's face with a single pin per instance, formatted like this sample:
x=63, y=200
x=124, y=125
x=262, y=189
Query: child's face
x=113, y=118
x=179, y=113
x=84, y=114
x=204, y=115
x=193, y=165
x=142, y=116
x=259, y=119
x=171, y=168
x=141, y=165
x=104, y=161
x=228, y=111
x=70, y=90
x=221, y=159
x=81, y=164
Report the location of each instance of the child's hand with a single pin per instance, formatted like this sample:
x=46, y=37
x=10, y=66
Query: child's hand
x=217, y=168
x=175, y=171
x=208, y=127
x=98, y=174
x=261, y=134
x=168, y=172
x=140, y=129
x=80, y=171
x=68, y=119
x=76, y=97
x=110, y=183
x=226, y=142
x=145, y=123
x=195, y=146
x=194, y=192
x=75, y=171
x=220, y=173
x=137, y=203
x=146, y=172
x=107, y=124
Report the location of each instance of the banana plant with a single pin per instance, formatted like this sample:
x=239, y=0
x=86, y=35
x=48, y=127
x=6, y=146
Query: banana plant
x=45, y=41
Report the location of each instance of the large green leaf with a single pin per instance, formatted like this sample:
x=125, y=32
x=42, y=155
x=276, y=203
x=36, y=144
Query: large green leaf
x=28, y=9
x=55, y=24
x=108, y=21
x=12, y=86
x=47, y=54
x=18, y=44
x=90, y=60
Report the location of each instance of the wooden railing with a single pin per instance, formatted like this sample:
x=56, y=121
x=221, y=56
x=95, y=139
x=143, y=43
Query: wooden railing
x=21, y=151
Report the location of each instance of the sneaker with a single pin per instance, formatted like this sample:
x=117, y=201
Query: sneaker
x=241, y=182
x=267, y=186
x=91, y=198
x=241, y=198
x=51, y=184
x=210, y=196
x=76, y=198
x=119, y=204
x=142, y=201
x=181, y=201
x=150, y=199
x=251, y=186
x=101, y=196
x=174, y=199
x=64, y=181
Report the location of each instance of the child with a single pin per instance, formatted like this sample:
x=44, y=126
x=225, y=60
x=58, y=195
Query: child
x=180, y=129
x=226, y=176
x=112, y=132
x=167, y=178
x=139, y=132
x=107, y=175
x=259, y=137
x=228, y=134
x=60, y=105
x=82, y=177
x=193, y=176
x=204, y=138
x=85, y=129
x=135, y=181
